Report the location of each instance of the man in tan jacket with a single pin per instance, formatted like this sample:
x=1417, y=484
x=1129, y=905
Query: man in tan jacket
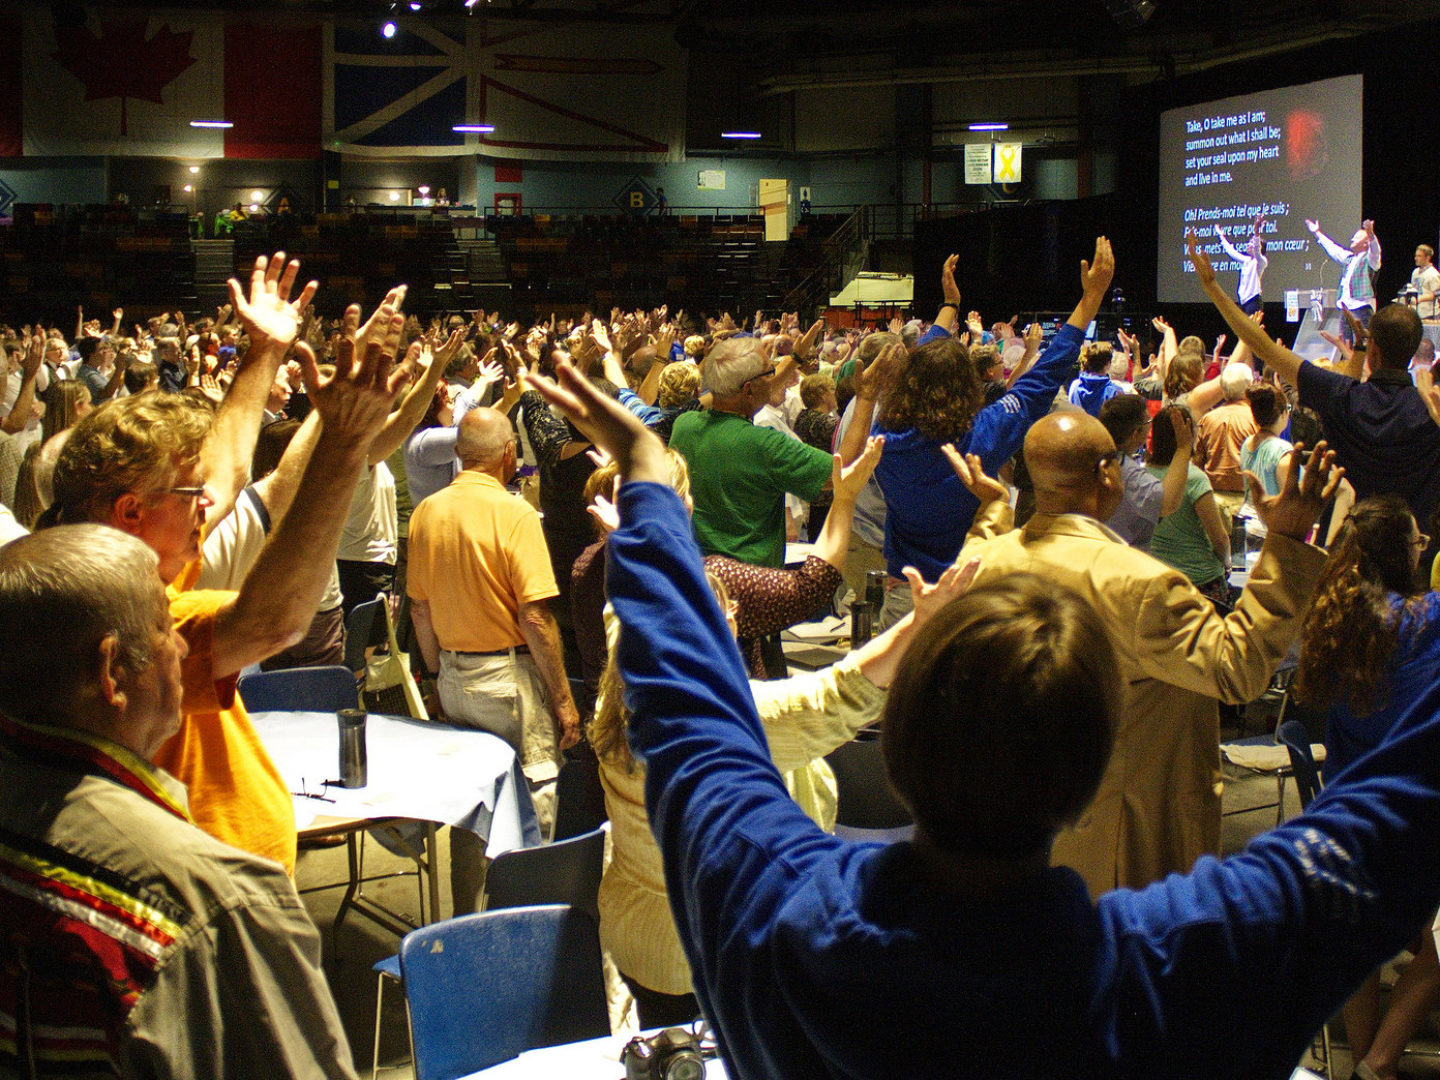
x=1158, y=808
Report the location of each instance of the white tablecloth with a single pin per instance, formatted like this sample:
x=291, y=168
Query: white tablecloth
x=417, y=769
x=594, y=1059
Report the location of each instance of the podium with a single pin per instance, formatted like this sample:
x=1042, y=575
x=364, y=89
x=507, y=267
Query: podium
x=1321, y=315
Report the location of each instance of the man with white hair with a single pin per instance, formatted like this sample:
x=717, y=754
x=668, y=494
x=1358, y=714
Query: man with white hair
x=1221, y=433
x=135, y=944
x=1356, y=291
x=741, y=473
x=480, y=580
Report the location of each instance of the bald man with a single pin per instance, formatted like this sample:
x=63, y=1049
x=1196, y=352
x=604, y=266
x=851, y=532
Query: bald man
x=1158, y=808
x=479, y=583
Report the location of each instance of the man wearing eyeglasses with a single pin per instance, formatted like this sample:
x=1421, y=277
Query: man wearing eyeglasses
x=158, y=466
x=741, y=473
x=1158, y=808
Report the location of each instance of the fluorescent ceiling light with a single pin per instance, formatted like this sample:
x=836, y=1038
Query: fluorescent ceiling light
x=989, y=127
x=211, y=124
x=740, y=135
x=477, y=128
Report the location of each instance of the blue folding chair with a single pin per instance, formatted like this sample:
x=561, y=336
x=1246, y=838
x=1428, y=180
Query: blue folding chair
x=304, y=689
x=484, y=988
x=1295, y=737
x=562, y=872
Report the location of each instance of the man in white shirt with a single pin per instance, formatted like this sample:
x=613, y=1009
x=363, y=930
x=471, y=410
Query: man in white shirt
x=1252, y=263
x=1426, y=280
x=1356, y=293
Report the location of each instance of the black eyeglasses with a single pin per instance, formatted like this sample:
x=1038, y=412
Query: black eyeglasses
x=764, y=374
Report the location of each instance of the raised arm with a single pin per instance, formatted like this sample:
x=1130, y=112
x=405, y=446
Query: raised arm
x=1033, y=335
x=1372, y=253
x=272, y=320
x=948, y=317
x=1178, y=471
x=276, y=604
x=870, y=384
x=1271, y=353
x=19, y=415
x=402, y=421
x=1228, y=247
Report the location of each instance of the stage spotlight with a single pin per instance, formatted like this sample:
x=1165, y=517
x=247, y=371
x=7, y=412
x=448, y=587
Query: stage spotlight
x=388, y=30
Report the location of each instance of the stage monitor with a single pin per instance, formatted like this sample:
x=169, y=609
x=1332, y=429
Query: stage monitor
x=1290, y=154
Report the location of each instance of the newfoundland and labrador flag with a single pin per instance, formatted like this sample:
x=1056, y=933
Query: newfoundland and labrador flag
x=574, y=91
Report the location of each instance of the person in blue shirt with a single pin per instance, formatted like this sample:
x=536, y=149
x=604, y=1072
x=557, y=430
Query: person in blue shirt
x=1370, y=646
x=962, y=953
x=933, y=397
x=1094, y=387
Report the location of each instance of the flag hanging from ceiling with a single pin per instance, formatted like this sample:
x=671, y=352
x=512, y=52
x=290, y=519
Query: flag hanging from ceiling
x=126, y=83
x=577, y=91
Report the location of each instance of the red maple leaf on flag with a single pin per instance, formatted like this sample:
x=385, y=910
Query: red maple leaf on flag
x=121, y=62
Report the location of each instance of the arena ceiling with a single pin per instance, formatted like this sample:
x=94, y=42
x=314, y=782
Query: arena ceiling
x=791, y=43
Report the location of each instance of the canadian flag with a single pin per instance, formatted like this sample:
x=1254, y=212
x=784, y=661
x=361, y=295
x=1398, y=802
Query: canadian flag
x=127, y=83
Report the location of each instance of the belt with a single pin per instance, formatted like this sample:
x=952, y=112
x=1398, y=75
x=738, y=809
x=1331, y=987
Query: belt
x=493, y=652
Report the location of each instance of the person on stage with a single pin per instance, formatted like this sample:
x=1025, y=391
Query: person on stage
x=1252, y=263
x=1426, y=280
x=1356, y=293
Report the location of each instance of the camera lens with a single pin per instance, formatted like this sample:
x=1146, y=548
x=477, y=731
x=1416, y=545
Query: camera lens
x=684, y=1065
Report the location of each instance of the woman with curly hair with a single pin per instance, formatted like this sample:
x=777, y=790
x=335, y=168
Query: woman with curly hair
x=936, y=396
x=1370, y=644
x=1369, y=648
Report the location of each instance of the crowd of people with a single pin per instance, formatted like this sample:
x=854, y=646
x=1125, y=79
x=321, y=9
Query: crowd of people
x=583, y=524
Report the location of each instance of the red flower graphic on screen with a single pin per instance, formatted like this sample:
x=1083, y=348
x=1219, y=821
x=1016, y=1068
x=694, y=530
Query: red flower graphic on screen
x=1307, y=144
x=121, y=62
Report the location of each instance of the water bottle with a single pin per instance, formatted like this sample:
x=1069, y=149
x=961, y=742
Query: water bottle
x=354, y=764
x=862, y=617
x=875, y=581
x=1239, y=538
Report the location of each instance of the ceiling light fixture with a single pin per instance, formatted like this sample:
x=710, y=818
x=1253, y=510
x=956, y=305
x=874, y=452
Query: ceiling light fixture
x=989, y=127
x=483, y=129
x=211, y=124
x=740, y=135
x=388, y=30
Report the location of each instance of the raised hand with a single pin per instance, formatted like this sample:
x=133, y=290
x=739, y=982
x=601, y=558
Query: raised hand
x=1203, y=270
x=930, y=599
x=1095, y=276
x=847, y=481
x=972, y=474
x=1312, y=225
x=354, y=402
x=880, y=375
x=268, y=315
x=948, y=288
x=605, y=422
x=1293, y=512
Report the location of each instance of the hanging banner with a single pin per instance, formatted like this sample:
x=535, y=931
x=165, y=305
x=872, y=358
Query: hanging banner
x=977, y=163
x=1007, y=163
x=569, y=92
x=129, y=84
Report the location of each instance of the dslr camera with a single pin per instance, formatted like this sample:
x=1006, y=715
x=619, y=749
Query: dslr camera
x=673, y=1054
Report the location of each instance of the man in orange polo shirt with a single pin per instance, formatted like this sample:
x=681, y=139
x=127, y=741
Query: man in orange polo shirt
x=152, y=465
x=479, y=580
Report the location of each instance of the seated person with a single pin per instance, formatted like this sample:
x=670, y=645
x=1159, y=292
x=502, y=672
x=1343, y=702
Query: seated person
x=1146, y=500
x=816, y=957
x=135, y=945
